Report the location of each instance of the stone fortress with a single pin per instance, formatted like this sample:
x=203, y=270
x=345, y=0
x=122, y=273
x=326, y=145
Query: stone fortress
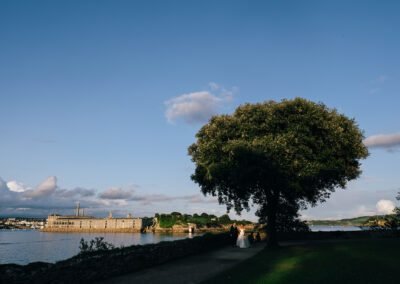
x=82, y=223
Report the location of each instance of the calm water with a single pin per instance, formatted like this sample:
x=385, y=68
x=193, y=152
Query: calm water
x=25, y=246
x=317, y=228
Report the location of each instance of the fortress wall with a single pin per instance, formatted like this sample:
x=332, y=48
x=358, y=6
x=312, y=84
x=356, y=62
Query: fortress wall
x=65, y=224
x=92, y=230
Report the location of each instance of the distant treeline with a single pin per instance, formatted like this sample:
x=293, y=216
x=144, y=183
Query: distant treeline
x=358, y=221
x=202, y=220
x=5, y=218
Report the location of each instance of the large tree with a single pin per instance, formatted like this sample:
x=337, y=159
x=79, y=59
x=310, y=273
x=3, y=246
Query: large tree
x=289, y=152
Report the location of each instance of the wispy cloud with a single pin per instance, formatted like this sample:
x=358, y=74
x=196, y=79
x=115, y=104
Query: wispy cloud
x=374, y=91
x=116, y=193
x=200, y=106
x=154, y=198
x=385, y=141
x=198, y=198
x=46, y=188
x=76, y=192
x=377, y=84
x=380, y=79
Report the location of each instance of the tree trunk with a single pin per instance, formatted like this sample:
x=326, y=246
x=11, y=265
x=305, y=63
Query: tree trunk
x=272, y=238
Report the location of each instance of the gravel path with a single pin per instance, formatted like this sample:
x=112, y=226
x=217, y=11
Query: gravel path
x=191, y=269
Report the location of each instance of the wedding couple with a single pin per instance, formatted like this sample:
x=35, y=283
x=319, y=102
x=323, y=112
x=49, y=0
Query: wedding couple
x=238, y=237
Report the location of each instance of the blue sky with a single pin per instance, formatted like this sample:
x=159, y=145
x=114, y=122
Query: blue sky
x=100, y=99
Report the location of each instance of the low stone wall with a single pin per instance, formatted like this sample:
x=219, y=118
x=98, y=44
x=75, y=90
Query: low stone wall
x=93, y=266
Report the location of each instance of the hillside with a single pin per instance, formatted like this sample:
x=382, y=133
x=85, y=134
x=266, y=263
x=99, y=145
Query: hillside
x=358, y=221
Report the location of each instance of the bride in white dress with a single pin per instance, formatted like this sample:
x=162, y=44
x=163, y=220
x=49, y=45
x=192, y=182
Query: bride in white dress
x=242, y=240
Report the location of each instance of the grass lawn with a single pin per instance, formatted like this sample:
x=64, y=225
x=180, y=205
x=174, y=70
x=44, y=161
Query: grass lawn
x=352, y=261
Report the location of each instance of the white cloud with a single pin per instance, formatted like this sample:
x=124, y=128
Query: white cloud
x=386, y=141
x=384, y=206
x=198, y=107
x=46, y=188
x=213, y=86
x=195, y=107
x=17, y=186
x=377, y=83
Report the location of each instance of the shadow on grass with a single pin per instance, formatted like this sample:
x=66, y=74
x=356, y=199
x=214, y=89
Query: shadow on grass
x=365, y=261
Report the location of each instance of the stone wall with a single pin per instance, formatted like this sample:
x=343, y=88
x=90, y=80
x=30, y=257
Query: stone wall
x=93, y=266
x=91, y=230
x=57, y=223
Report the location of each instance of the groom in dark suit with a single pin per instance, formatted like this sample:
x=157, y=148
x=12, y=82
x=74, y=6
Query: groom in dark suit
x=233, y=234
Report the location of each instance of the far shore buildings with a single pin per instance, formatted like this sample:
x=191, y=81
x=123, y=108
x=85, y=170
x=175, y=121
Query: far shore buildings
x=80, y=222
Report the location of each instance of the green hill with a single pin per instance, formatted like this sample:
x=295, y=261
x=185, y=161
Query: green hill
x=358, y=221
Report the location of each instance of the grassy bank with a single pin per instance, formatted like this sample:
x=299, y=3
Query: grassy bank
x=355, y=261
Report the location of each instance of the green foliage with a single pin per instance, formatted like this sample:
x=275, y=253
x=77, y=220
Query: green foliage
x=397, y=209
x=288, y=218
x=97, y=244
x=203, y=220
x=225, y=219
x=167, y=220
x=388, y=222
x=294, y=150
x=357, y=221
x=187, y=216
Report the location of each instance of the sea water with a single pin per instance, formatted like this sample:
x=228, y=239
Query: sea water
x=25, y=246
x=324, y=228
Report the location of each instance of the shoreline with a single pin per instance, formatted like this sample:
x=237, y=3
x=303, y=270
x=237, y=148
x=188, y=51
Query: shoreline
x=133, y=230
x=102, y=264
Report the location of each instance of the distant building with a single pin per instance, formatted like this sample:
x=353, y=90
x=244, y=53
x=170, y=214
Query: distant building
x=80, y=222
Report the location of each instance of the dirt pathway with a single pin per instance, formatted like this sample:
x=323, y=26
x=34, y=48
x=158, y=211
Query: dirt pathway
x=191, y=269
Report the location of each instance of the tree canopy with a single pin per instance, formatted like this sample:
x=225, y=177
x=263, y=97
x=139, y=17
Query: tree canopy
x=273, y=153
x=203, y=220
